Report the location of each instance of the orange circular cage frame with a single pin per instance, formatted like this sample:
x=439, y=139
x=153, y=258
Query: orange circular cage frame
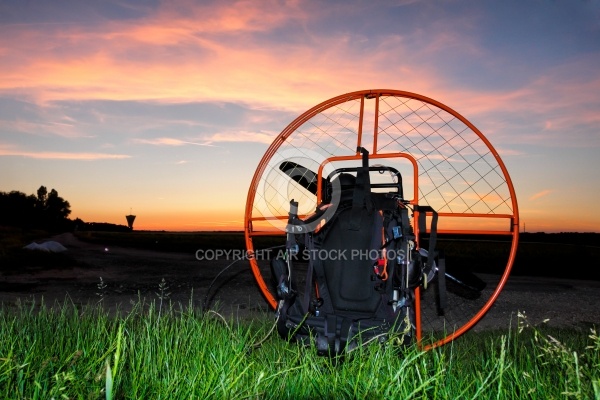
x=450, y=165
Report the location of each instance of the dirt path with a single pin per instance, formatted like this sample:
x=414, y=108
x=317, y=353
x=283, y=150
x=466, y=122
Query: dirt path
x=129, y=274
x=132, y=273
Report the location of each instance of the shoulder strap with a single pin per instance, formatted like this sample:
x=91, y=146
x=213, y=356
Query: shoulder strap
x=433, y=254
x=294, y=226
x=423, y=210
x=441, y=284
x=362, y=192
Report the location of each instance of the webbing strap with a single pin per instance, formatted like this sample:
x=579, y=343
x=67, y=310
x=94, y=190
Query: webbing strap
x=423, y=210
x=292, y=227
x=331, y=330
x=441, y=285
x=282, y=329
x=319, y=273
x=405, y=222
x=362, y=192
x=431, y=255
x=309, y=273
x=345, y=334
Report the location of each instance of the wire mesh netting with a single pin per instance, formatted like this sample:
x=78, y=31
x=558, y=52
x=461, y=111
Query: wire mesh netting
x=458, y=173
x=454, y=170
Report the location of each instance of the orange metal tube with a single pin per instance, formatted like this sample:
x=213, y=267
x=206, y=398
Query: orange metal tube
x=488, y=304
x=371, y=156
x=274, y=218
x=417, y=289
x=376, y=125
x=360, y=121
x=418, y=315
x=291, y=128
x=401, y=93
x=471, y=215
x=267, y=233
x=471, y=232
x=385, y=92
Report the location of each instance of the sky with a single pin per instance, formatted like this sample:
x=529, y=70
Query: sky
x=165, y=108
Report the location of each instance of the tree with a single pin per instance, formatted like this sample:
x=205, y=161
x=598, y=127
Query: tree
x=47, y=210
x=42, y=195
x=17, y=209
x=56, y=206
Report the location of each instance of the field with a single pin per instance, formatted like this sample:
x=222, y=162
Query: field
x=168, y=351
x=143, y=331
x=538, y=254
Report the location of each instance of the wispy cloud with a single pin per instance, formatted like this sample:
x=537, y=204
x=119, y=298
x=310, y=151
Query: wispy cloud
x=243, y=136
x=168, y=57
x=88, y=81
x=165, y=141
x=557, y=108
x=505, y=152
x=171, y=57
x=540, y=194
x=50, y=155
x=65, y=129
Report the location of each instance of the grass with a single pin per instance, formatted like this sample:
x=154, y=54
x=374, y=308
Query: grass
x=170, y=351
x=68, y=351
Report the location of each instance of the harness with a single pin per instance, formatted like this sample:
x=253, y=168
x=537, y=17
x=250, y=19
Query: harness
x=367, y=292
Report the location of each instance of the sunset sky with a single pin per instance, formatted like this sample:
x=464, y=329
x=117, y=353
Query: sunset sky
x=165, y=108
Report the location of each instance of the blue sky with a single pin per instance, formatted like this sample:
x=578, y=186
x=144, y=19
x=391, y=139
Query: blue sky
x=166, y=108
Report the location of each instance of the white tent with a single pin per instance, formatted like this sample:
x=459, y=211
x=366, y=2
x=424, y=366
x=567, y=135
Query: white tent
x=50, y=247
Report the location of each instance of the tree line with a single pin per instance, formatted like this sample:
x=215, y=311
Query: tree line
x=45, y=210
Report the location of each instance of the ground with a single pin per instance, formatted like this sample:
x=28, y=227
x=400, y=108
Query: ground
x=118, y=277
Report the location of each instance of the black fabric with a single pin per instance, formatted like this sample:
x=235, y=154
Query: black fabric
x=354, y=300
x=347, y=272
x=279, y=278
x=359, y=262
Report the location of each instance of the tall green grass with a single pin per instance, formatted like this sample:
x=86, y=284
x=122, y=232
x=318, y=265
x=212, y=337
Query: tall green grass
x=66, y=351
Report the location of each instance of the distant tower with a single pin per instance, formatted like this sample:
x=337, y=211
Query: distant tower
x=130, y=219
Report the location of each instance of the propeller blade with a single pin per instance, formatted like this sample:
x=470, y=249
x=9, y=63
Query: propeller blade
x=464, y=284
x=304, y=176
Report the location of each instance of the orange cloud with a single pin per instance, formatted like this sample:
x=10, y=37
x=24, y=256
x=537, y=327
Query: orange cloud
x=559, y=100
x=540, y=194
x=195, y=53
x=50, y=155
x=177, y=21
x=171, y=142
x=190, y=52
x=244, y=136
x=63, y=128
x=186, y=220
